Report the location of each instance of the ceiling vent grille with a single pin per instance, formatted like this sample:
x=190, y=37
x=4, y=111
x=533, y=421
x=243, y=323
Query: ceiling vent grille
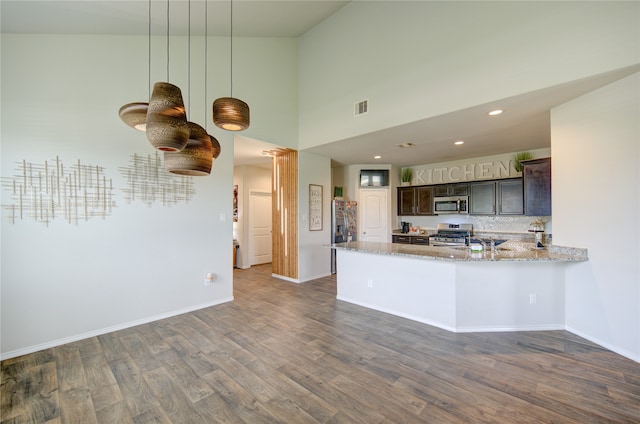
x=361, y=107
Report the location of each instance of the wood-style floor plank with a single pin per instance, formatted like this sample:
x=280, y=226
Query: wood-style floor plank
x=291, y=353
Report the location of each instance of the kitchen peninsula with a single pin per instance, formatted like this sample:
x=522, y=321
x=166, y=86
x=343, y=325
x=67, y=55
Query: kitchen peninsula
x=515, y=287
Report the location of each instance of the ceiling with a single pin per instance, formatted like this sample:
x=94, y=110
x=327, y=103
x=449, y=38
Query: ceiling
x=252, y=18
x=524, y=124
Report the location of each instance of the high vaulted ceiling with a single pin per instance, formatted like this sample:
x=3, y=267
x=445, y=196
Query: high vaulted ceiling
x=524, y=124
x=252, y=18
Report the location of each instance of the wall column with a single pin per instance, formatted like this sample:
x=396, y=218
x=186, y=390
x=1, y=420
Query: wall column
x=285, y=213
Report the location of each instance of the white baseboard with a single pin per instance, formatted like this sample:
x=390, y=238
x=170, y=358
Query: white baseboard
x=454, y=329
x=297, y=280
x=505, y=329
x=315, y=277
x=399, y=314
x=627, y=354
x=75, y=338
x=289, y=279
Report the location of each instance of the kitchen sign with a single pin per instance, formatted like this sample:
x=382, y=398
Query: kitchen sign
x=482, y=168
x=469, y=172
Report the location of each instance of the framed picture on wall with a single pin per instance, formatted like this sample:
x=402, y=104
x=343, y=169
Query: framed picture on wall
x=315, y=207
x=235, y=203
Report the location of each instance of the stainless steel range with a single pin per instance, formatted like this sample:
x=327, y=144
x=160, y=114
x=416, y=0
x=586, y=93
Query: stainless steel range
x=451, y=235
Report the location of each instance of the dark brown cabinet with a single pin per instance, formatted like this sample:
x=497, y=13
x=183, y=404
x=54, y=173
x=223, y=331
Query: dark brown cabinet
x=415, y=201
x=424, y=201
x=406, y=201
x=445, y=190
x=536, y=175
x=510, y=200
x=423, y=240
x=401, y=239
x=501, y=197
x=494, y=197
x=482, y=198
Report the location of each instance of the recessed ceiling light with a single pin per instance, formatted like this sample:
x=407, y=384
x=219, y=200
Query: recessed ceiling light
x=495, y=112
x=377, y=157
x=459, y=142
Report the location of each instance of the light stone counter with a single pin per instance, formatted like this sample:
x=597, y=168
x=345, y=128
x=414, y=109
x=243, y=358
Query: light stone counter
x=511, y=250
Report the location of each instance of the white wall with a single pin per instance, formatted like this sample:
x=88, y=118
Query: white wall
x=313, y=257
x=60, y=97
x=248, y=178
x=596, y=204
x=414, y=60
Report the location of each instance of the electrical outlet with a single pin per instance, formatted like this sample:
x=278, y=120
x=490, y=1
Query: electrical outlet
x=207, y=283
x=370, y=283
x=209, y=278
x=532, y=299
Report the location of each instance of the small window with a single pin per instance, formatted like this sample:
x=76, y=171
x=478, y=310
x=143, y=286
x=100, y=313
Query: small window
x=374, y=178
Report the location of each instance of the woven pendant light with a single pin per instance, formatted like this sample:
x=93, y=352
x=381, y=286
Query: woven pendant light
x=196, y=158
x=135, y=115
x=231, y=114
x=216, y=147
x=167, y=119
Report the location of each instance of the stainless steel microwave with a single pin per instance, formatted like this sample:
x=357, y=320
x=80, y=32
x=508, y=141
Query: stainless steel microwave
x=444, y=205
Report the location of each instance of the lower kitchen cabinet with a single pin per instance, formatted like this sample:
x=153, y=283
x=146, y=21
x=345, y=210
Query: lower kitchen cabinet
x=401, y=239
x=424, y=240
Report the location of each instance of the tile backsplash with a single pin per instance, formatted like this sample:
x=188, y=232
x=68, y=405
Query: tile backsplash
x=484, y=224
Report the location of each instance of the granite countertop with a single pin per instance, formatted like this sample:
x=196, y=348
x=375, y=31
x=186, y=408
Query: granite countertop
x=511, y=250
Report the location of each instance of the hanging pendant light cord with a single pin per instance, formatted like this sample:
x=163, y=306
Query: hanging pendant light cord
x=167, y=40
x=189, y=58
x=149, y=56
x=206, y=33
x=231, y=42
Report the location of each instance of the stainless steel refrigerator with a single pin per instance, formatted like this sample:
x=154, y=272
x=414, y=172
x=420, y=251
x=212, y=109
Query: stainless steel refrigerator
x=344, y=225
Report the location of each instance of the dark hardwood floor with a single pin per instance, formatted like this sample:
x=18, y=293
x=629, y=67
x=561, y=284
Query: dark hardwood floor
x=287, y=353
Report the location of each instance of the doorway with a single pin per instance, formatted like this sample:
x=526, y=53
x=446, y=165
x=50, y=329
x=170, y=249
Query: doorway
x=260, y=231
x=373, y=215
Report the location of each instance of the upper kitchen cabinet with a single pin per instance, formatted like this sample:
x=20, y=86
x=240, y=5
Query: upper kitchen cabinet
x=536, y=174
x=406, y=201
x=415, y=200
x=424, y=200
x=445, y=190
x=510, y=197
x=496, y=197
x=482, y=198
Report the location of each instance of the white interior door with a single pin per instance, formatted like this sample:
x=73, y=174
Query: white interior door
x=373, y=215
x=260, y=250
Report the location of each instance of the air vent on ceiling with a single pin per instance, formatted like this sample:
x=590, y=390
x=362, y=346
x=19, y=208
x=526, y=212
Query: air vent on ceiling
x=361, y=107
